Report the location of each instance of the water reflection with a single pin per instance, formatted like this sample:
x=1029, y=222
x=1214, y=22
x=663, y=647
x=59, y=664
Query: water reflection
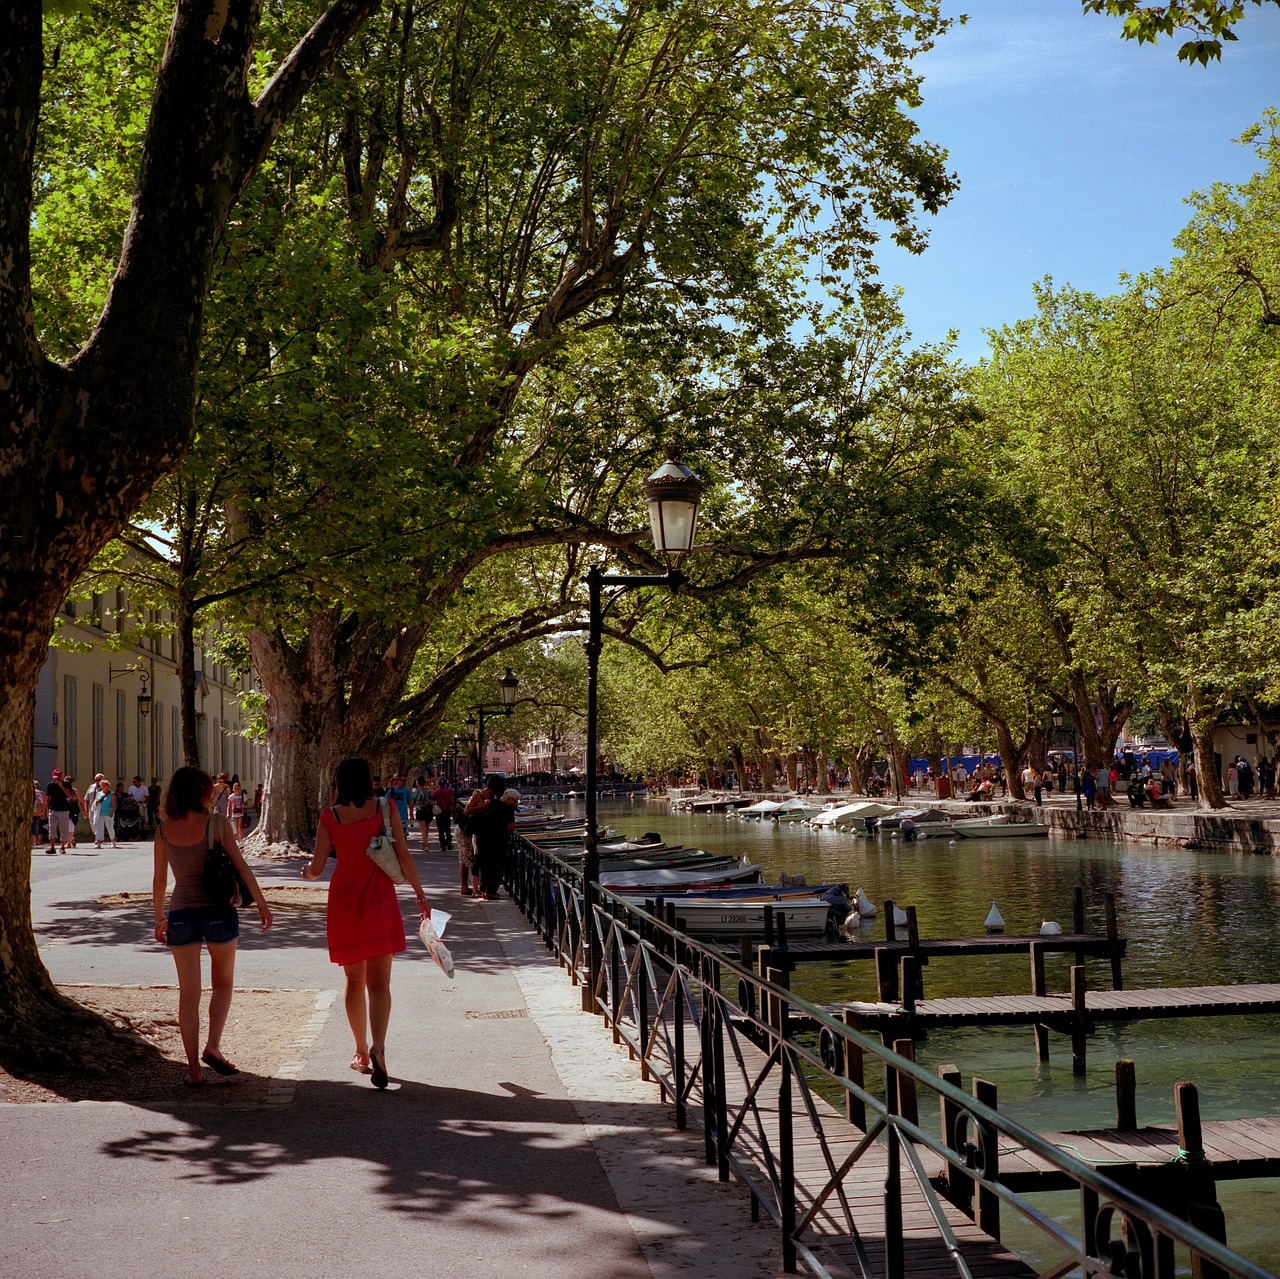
x=1191, y=918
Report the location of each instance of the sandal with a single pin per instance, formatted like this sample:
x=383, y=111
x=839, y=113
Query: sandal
x=378, y=1068
x=188, y=1082
x=220, y=1064
x=466, y=892
x=360, y=1063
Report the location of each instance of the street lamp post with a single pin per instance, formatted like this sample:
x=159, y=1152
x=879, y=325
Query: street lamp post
x=672, y=493
x=1058, y=720
x=507, y=685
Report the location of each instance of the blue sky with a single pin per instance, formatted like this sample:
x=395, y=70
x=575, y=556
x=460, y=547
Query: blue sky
x=1076, y=151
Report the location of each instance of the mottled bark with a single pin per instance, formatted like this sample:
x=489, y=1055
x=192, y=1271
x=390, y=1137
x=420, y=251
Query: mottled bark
x=83, y=444
x=1203, y=717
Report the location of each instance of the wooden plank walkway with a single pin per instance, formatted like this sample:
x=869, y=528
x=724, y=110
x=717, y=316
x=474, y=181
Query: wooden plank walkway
x=1235, y=1149
x=808, y=952
x=1057, y=1010
x=926, y=1254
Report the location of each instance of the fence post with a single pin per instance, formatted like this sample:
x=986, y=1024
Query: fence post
x=708, y=1070
x=682, y=1118
x=886, y=976
x=894, y=1254
x=722, y=1107
x=786, y=1147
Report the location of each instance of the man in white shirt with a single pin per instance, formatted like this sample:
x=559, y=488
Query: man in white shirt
x=138, y=793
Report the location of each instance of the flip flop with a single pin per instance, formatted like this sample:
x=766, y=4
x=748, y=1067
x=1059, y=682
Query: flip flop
x=220, y=1064
x=360, y=1063
x=378, y=1068
x=188, y=1082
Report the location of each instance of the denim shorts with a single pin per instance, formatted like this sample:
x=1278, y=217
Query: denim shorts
x=199, y=924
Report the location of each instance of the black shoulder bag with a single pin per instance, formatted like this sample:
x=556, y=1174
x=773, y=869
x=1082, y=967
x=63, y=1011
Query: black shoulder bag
x=223, y=884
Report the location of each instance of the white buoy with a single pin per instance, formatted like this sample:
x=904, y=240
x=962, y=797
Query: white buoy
x=994, y=923
x=852, y=921
x=865, y=905
x=1048, y=928
x=951, y=843
x=899, y=916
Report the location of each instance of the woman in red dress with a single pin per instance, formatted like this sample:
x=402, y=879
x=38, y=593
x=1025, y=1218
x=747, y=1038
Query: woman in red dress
x=365, y=927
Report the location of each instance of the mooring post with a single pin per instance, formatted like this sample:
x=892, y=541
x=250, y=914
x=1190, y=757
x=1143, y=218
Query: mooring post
x=1126, y=1095
x=764, y=961
x=746, y=952
x=780, y=922
x=1077, y=918
x=908, y=1101
x=1203, y=1210
x=1079, y=1021
x=890, y=928
x=768, y=926
x=1038, y=988
x=913, y=945
x=1113, y=942
x=909, y=969
x=988, y=1217
x=886, y=976
x=956, y=1180
x=854, y=1108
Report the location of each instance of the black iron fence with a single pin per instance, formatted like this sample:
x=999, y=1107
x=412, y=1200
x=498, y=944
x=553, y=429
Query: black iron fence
x=721, y=1040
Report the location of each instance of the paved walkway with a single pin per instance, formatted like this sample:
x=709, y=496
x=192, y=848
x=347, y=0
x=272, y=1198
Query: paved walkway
x=522, y=1145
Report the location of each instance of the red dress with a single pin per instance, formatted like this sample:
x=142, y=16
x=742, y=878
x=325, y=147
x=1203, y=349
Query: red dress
x=364, y=919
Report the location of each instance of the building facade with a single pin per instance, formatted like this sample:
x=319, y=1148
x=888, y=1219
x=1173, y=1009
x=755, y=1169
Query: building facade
x=88, y=715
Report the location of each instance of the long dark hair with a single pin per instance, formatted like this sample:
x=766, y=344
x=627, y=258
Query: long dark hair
x=190, y=791
x=353, y=782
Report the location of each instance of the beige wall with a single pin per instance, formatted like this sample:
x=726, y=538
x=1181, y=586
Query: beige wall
x=87, y=722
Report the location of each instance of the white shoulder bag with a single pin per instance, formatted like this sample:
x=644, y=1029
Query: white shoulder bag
x=382, y=850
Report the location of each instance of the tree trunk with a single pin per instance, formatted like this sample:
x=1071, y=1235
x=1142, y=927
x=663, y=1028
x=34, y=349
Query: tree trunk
x=1011, y=757
x=1203, y=719
x=792, y=772
x=185, y=631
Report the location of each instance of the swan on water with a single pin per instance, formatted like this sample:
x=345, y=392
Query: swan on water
x=1048, y=928
x=864, y=903
x=994, y=922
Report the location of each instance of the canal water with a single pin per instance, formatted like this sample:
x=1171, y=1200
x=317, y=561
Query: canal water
x=1191, y=919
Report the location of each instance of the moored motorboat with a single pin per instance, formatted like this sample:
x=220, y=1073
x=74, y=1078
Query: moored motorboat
x=674, y=879
x=998, y=827
x=856, y=817
x=755, y=812
x=794, y=810
x=709, y=916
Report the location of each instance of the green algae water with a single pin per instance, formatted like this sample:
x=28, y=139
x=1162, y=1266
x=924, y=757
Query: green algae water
x=1191, y=919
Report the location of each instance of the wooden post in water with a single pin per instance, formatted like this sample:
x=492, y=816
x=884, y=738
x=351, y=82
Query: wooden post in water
x=854, y=1108
x=1113, y=937
x=1038, y=988
x=1077, y=918
x=768, y=926
x=1079, y=1021
x=1126, y=1095
x=908, y=1103
x=890, y=928
x=913, y=945
x=909, y=968
x=988, y=1217
x=1203, y=1210
x=886, y=976
x=764, y=960
x=959, y=1188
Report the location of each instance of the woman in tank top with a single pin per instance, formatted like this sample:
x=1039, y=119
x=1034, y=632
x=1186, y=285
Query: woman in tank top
x=182, y=844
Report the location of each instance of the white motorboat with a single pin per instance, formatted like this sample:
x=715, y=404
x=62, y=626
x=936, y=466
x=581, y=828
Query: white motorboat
x=998, y=827
x=744, y=917
x=629, y=880
x=795, y=810
x=829, y=817
x=856, y=816
x=757, y=812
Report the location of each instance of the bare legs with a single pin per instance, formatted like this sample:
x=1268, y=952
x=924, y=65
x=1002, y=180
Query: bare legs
x=368, y=1003
x=222, y=964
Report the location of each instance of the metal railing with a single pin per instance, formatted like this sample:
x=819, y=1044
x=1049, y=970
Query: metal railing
x=735, y=1061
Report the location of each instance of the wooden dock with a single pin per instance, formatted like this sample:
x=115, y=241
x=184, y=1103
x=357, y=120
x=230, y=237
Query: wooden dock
x=1062, y=1012
x=926, y=1253
x=1094, y=945
x=1234, y=1149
